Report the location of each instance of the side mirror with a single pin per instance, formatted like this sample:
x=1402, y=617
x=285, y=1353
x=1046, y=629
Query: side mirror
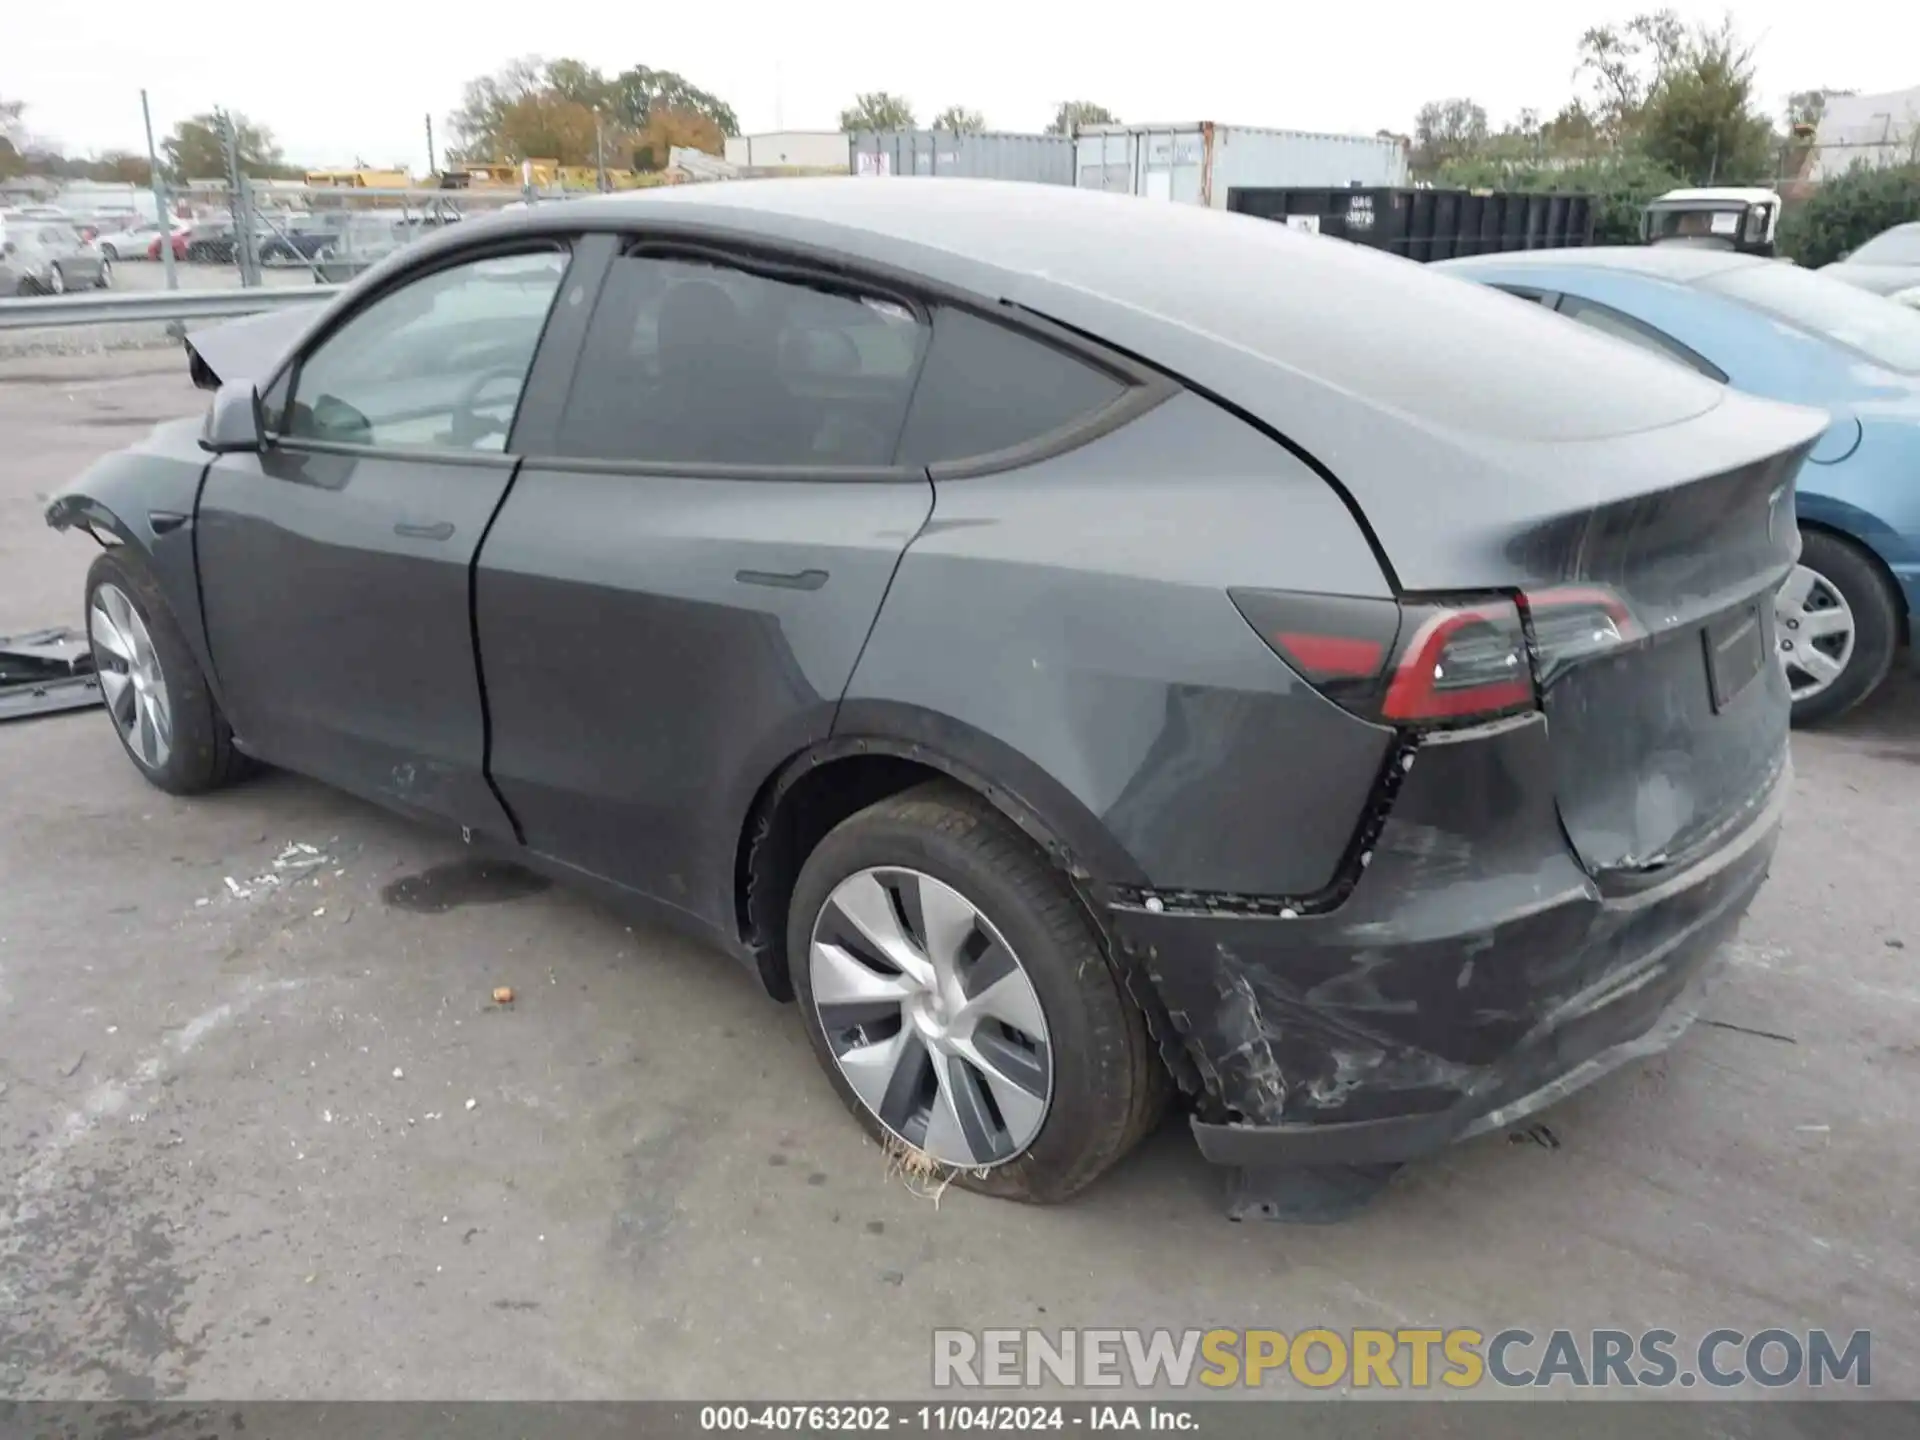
x=233, y=423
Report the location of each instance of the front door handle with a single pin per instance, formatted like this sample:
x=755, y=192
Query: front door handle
x=436, y=530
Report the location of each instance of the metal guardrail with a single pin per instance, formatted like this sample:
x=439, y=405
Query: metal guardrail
x=107, y=308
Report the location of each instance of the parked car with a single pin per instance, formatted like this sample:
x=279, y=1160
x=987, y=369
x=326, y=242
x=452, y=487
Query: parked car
x=1776, y=330
x=48, y=259
x=1886, y=264
x=288, y=244
x=177, y=239
x=1071, y=645
x=131, y=241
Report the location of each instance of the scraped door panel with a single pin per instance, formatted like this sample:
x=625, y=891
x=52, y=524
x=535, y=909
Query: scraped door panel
x=654, y=646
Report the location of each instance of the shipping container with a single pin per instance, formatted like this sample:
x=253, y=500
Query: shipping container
x=1426, y=224
x=1041, y=159
x=1201, y=163
x=789, y=150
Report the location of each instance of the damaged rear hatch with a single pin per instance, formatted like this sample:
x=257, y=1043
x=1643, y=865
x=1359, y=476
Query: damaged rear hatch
x=1637, y=541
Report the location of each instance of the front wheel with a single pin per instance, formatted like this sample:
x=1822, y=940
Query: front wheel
x=104, y=281
x=109, y=253
x=1838, y=625
x=162, y=710
x=961, y=1003
x=56, y=281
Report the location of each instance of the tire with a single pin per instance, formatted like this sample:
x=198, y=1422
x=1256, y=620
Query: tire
x=109, y=253
x=105, y=280
x=56, y=280
x=1105, y=1087
x=199, y=752
x=1835, y=576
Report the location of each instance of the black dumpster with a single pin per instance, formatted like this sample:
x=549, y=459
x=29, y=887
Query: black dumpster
x=1426, y=224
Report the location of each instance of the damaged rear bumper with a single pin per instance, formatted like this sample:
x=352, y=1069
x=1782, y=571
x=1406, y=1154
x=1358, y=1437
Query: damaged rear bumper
x=1475, y=974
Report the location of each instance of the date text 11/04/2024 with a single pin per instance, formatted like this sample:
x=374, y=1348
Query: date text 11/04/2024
x=954, y=1419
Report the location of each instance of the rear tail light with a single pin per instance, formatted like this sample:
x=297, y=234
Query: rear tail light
x=1574, y=623
x=1445, y=660
x=1463, y=662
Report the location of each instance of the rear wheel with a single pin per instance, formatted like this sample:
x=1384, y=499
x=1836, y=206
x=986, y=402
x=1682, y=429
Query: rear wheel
x=1839, y=625
x=109, y=253
x=960, y=1001
x=56, y=280
x=162, y=710
x=105, y=279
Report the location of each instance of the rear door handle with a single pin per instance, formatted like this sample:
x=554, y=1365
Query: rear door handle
x=435, y=530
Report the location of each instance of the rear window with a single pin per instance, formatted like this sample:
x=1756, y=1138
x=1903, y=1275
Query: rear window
x=1897, y=247
x=1884, y=333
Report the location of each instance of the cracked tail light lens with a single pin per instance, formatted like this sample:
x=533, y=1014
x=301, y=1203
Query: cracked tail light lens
x=1438, y=660
x=1574, y=623
x=1463, y=662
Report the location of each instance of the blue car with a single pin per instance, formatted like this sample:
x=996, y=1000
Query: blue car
x=1772, y=329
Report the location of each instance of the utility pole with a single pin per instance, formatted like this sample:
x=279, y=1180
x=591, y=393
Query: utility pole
x=431, y=169
x=162, y=204
x=600, y=151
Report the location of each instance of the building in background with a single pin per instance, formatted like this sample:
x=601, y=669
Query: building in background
x=1879, y=129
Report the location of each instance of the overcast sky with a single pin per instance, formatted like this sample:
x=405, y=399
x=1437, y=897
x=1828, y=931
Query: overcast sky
x=338, y=80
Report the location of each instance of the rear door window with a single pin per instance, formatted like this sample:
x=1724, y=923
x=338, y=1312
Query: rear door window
x=689, y=361
x=988, y=388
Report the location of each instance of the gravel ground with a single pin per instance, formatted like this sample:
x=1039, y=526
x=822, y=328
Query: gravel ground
x=285, y=1145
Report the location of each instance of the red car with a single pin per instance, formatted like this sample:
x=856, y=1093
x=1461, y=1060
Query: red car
x=179, y=246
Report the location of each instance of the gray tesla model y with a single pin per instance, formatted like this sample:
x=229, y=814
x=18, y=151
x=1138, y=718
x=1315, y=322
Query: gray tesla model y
x=1084, y=650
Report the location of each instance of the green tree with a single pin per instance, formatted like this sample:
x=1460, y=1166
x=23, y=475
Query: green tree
x=960, y=120
x=1849, y=210
x=1446, y=131
x=533, y=108
x=477, y=128
x=1699, y=119
x=196, y=150
x=877, y=110
x=639, y=91
x=1622, y=64
x=580, y=84
x=1072, y=114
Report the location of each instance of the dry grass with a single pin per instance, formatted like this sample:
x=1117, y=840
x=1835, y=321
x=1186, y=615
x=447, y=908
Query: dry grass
x=923, y=1175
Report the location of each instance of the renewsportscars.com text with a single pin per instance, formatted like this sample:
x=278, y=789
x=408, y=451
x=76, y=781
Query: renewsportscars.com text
x=1456, y=1359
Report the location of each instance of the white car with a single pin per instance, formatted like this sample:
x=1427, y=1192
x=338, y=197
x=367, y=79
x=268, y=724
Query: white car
x=132, y=242
x=1909, y=296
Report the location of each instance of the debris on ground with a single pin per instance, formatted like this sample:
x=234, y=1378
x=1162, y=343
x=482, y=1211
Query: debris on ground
x=398, y=1073
x=300, y=856
x=923, y=1175
x=503, y=995
x=471, y=1103
x=46, y=671
x=73, y=1066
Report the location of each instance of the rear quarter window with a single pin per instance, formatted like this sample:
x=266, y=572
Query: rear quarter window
x=987, y=388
